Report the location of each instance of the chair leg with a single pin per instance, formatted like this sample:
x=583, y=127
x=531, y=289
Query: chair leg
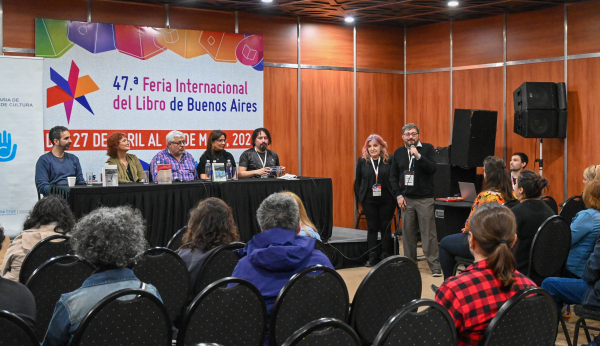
x=455, y=269
x=587, y=332
x=565, y=331
x=576, y=334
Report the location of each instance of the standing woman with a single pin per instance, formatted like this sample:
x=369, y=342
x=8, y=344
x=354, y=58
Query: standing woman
x=374, y=192
x=128, y=165
x=215, y=150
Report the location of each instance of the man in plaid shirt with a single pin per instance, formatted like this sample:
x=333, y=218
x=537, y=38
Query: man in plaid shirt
x=182, y=163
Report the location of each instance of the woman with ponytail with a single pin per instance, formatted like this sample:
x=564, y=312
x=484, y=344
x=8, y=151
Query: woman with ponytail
x=474, y=297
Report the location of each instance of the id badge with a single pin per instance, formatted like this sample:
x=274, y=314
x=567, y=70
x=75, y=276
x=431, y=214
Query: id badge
x=409, y=178
x=376, y=190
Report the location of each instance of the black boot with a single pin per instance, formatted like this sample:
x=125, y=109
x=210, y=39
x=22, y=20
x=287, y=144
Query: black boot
x=372, y=259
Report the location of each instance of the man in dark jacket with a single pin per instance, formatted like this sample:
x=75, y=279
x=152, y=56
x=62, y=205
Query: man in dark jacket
x=413, y=166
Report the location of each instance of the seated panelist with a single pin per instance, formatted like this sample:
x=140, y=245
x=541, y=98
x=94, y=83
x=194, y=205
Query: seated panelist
x=182, y=162
x=128, y=165
x=215, y=151
x=257, y=162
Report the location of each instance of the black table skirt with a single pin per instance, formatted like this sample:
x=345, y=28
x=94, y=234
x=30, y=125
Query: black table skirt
x=166, y=207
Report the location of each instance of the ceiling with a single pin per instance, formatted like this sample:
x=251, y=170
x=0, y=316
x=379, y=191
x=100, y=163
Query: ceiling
x=379, y=12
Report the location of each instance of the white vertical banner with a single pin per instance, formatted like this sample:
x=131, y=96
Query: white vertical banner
x=21, y=142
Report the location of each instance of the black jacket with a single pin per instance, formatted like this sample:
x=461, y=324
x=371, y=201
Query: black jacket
x=365, y=177
x=423, y=168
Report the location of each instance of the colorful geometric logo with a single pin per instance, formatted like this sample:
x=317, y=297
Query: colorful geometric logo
x=66, y=91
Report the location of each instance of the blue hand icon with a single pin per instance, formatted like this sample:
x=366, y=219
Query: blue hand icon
x=6, y=152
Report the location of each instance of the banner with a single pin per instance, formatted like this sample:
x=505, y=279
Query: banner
x=21, y=142
x=103, y=78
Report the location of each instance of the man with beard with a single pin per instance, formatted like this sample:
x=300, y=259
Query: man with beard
x=256, y=162
x=411, y=176
x=55, y=166
x=518, y=162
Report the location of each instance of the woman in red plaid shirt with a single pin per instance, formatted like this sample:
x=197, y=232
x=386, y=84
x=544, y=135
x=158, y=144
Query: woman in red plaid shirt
x=474, y=297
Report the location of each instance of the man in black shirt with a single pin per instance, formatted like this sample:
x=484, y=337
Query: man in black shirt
x=256, y=162
x=413, y=166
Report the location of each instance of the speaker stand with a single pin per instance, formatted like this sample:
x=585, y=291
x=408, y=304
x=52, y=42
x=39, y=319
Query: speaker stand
x=541, y=160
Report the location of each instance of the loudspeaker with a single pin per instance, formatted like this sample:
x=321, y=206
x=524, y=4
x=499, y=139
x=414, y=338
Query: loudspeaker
x=446, y=178
x=535, y=95
x=473, y=137
x=442, y=155
x=541, y=123
x=561, y=89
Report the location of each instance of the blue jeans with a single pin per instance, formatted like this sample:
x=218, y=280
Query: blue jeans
x=450, y=246
x=565, y=291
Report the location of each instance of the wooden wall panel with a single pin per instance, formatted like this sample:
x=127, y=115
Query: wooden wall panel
x=553, y=147
x=326, y=44
x=193, y=19
x=584, y=27
x=280, y=36
x=19, y=18
x=428, y=47
x=583, y=121
x=379, y=47
x=117, y=12
x=535, y=35
x=328, y=136
x=428, y=106
x=478, y=41
x=281, y=114
x=481, y=89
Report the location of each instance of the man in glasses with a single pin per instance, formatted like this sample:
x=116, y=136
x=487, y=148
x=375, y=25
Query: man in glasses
x=182, y=163
x=413, y=167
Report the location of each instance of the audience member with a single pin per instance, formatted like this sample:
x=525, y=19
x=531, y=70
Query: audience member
x=215, y=151
x=16, y=298
x=474, y=297
x=128, y=165
x=182, y=162
x=591, y=173
x=50, y=216
x=110, y=238
x=518, y=162
x=257, y=162
x=307, y=228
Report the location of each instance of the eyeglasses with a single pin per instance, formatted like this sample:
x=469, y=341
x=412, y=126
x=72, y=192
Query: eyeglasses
x=411, y=134
x=184, y=143
x=221, y=140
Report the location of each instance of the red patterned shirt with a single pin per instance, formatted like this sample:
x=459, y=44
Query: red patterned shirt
x=474, y=297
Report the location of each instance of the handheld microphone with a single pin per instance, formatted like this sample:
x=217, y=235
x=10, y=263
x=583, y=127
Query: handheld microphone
x=412, y=147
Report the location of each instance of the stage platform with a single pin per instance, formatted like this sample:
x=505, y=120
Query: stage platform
x=347, y=247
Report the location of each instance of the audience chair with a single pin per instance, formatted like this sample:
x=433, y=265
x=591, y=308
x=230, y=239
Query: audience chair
x=14, y=331
x=177, y=240
x=59, y=275
x=571, y=207
x=166, y=271
x=56, y=245
x=551, y=203
x=313, y=293
x=528, y=318
x=360, y=214
x=511, y=203
x=431, y=326
x=549, y=250
x=230, y=316
x=324, y=332
x=461, y=261
x=219, y=264
x=392, y=283
x=128, y=317
x=584, y=314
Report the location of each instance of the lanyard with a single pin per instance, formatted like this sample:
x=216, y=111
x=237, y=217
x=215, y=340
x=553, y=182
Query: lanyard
x=260, y=158
x=376, y=169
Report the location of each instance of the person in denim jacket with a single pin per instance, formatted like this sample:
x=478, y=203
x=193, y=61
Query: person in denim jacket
x=110, y=238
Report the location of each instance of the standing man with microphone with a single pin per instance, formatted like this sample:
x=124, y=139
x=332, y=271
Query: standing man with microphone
x=413, y=167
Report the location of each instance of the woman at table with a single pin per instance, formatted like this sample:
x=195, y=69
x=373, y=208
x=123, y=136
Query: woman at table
x=374, y=192
x=215, y=150
x=128, y=165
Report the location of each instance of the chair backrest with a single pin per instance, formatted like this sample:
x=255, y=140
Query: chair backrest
x=571, y=207
x=431, y=326
x=53, y=246
x=220, y=264
x=313, y=293
x=391, y=284
x=549, y=250
x=128, y=317
x=511, y=203
x=14, y=331
x=324, y=332
x=528, y=318
x=551, y=203
x=164, y=269
x=230, y=316
x=177, y=240
x=59, y=275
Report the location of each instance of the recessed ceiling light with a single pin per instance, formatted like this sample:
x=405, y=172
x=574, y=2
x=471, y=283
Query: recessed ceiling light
x=267, y=0
x=349, y=19
x=450, y=3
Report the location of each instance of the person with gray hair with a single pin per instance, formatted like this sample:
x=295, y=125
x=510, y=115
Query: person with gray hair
x=276, y=254
x=182, y=162
x=110, y=238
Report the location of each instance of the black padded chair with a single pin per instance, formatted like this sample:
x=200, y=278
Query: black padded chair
x=59, y=275
x=229, y=316
x=511, y=203
x=324, y=332
x=128, y=317
x=551, y=203
x=53, y=246
x=571, y=207
x=549, y=250
x=313, y=293
x=177, y=239
x=219, y=264
x=462, y=261
x=528, y=318
x=15, y=332
x=166, y=271
x=431, y=326
x=584, y=314
x=392, y=283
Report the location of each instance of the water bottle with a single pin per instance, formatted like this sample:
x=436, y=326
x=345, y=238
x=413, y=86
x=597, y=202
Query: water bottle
x=208, y=169
x=212, y=172
x=229, y=168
